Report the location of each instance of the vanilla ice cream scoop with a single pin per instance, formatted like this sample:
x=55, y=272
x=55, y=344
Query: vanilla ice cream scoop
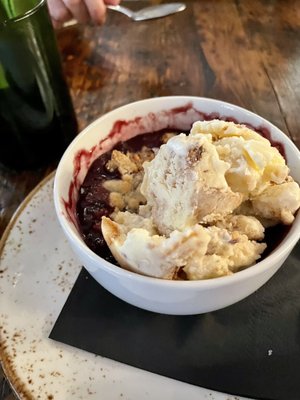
x=140, y=250
x=254, y=163
x=257, y=170
x=185, y=184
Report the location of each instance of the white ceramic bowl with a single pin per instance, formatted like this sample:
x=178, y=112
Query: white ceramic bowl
x=170, y=297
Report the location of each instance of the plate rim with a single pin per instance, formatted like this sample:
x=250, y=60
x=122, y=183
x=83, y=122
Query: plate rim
x=14, y=381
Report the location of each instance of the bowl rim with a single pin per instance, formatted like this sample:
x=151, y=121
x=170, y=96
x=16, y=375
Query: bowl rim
x=283, y=249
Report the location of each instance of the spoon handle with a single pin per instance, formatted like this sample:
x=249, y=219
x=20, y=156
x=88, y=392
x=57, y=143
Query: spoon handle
x=121, y=9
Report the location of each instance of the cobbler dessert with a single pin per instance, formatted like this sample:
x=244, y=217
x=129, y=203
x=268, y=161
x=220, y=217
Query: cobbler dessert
x=194, y=205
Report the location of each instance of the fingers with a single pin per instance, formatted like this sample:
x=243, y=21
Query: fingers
x=112, y=2
x=78, y=10
x=97, y=10
x=59, y=12
x=82, y=10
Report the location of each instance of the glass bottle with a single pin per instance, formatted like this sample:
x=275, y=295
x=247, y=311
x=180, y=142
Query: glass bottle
x=37, y=119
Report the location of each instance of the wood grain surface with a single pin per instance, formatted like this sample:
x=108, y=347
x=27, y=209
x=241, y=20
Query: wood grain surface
x=246, y=52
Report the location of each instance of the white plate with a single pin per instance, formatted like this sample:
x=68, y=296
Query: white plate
x=37, y=272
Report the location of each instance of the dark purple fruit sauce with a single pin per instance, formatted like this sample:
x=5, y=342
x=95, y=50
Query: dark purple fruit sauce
x=93, y=200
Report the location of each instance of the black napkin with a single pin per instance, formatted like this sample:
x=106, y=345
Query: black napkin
x=250, y=349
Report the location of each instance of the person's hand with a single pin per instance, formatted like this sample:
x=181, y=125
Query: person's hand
x=83, y=11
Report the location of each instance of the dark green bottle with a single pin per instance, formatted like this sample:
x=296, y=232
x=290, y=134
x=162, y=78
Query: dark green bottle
x=37, y=119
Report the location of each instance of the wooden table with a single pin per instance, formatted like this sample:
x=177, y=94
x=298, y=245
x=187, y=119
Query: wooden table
x=246, y=52
x=242, y=51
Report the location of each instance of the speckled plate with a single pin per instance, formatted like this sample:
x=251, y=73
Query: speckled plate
x=37, y=273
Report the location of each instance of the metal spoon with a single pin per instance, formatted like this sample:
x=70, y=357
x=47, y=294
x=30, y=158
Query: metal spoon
x=160, y=10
